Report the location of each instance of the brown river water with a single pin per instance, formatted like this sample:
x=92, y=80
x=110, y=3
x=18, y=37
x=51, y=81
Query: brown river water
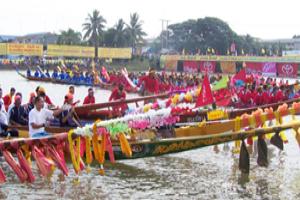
x=198, y=174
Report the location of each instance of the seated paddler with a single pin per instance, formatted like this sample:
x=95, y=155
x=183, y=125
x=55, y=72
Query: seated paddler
x=68, y=117
x=4, y=132
x=18, y=114
x=39, y=118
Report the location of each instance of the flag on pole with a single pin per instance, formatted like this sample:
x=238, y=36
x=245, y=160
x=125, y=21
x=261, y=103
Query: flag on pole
x=221, y=84
x=241, y=75
x=205, y=97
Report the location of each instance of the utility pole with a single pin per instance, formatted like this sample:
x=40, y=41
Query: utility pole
x=164, y=35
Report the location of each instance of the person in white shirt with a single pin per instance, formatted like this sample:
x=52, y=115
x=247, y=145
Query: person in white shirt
x=1, y=100
x=4, y=132
x=38, y=118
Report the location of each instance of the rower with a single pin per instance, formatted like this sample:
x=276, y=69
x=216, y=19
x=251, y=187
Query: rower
x=30, y=105
x=1, y=101
x=119, y=94
x=89, y=99
x=38, y=118
x=258, y=98
x=47, y=74
x=68, y=116
x=41, y=92
x=4, y=124
x=36, y=74
x=72, y=93
x=62, y=75
x=55, y=74
x=150, y=82
x=17, y=114
x=28, y=72
x=7, y=99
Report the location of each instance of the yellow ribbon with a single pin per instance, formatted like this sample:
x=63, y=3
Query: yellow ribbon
x=237, y=124
x=263, y=118
x=237, y=127
x=252, y=121
x=96, y=145
x=293, y=112
x=76, y=162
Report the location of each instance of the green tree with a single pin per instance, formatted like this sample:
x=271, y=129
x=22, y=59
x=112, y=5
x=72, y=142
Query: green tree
x=121, y=33
x=135, y=30
x=93, y=28
x=69, y=37
x=109, y=37
x=209, y=32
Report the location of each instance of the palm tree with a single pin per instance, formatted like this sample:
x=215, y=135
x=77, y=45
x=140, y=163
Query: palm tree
x=120, y=33
x=135, y=30
x=93, y=28
x=69, y=37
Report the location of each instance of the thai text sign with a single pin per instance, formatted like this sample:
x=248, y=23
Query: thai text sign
x=24, y=49
x=115, y=53
x=70, y=51
x=2, y=48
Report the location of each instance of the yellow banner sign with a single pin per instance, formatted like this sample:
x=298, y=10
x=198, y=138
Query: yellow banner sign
x=24, y=49
x=115, y=53
x=215, y=115
x=2, y=48
x=70, y=51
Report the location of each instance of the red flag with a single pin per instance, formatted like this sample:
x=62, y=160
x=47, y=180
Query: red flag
x=241, y=75
x=205, y=97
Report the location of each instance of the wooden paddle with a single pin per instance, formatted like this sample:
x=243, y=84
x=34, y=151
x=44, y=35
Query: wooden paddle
x=86, y=108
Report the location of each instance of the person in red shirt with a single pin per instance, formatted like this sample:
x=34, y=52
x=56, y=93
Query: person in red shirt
x=277, y=95
x=89, y=99
x=119, y=94
x=7, y=99
x=248, y=97
x=150, y=83
x=258, y=99
x=40, y=91
x=72, y=93
x=266, y=95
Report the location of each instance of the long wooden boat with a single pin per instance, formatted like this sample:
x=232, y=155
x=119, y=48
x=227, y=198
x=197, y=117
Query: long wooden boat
x=169, y=140
x=96, y=111
x=202, y=115
x=105, y=86
x=183, y=139
x=150, y=148
x=23, y=130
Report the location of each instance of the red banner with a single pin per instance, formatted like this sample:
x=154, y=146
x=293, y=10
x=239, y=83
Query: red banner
x=207, y=67
x=254, y=68
x=190, y=66
x=287, y=69
x=266, y=69
x=269, y=69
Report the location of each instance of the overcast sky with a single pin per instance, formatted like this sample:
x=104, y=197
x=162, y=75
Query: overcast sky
x=265, y=19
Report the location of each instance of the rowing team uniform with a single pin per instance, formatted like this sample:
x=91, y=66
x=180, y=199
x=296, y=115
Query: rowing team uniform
x=263, y=98
x=116, y=95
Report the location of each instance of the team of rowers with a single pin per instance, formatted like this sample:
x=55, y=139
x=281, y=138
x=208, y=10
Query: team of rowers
x=39, y=109
x=40, y=112
x=162, y=82
x=266, y=92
